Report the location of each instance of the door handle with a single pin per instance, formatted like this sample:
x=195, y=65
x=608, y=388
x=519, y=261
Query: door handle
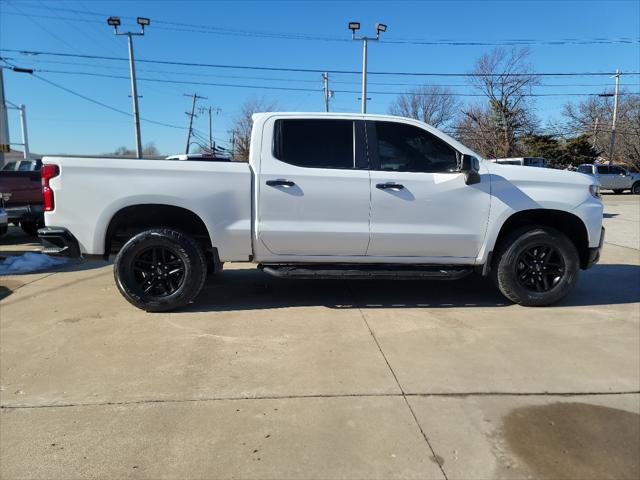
x=280, y=183
x=389, y=186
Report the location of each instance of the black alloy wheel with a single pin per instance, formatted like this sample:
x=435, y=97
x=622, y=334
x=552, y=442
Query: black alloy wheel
x=540, y=268
x=535, y=265
x=158, y=271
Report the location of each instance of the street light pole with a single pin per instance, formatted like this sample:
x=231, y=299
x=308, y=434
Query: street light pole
x=615, y=117
x=23, y=127
x=115, y=23
x=134, y=94
x=364, y=74
x=353, y=26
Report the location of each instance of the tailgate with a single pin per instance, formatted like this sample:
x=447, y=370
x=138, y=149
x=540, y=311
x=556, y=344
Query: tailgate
x=24, y=187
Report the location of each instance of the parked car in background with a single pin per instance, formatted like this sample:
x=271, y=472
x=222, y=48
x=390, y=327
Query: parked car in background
x=613, y=177
x=24, y=205
x=326, y=196
x=524, y=161
x=23, y=165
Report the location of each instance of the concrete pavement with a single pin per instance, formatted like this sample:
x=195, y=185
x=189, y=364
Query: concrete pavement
x=266, y=378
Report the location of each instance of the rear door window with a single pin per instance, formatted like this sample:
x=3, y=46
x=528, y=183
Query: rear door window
x=585, y=169
x=315, y=143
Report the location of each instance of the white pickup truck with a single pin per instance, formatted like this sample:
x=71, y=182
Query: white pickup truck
x=326, y=196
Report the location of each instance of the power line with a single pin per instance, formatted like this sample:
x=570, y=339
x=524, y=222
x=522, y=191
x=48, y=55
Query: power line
x=208, y=29
x=104, y=105
x=304, y=89
x=313, y=70
x=288, y=79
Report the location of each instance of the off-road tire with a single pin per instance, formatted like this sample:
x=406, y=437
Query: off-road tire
x=183, y=247
x=635, y=188
x=506, y=259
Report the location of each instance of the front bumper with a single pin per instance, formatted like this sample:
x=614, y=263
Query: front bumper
x=594, y=253
x=58, y=241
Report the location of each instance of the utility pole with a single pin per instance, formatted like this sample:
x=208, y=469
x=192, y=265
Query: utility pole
x=595, y=133
x=327, y=92
x=4, y=123
x=210, y=110
x=615, y=116
x=115, y=23
x=194, y=97
x=353, y=26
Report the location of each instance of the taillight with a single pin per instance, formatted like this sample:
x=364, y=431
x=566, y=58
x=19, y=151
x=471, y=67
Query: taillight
x=48, y=171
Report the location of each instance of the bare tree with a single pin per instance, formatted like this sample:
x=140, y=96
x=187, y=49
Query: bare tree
x=506, y=78
x=581, y=118
x=241, y=131
x=431, y=104
x=148, y=150
x=477, y=129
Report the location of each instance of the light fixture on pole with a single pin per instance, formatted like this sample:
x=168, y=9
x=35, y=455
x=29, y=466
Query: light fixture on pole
x=143, y=22
x=353, y=26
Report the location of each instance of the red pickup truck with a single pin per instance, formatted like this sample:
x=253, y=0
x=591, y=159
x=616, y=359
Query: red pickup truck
x=22, y=190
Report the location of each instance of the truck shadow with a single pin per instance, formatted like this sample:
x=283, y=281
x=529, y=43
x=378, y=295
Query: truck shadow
x=248, y=289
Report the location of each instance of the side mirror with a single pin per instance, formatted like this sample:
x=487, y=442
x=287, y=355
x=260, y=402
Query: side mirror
x=470, y=165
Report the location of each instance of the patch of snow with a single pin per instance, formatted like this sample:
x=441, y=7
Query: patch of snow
x=29, y=262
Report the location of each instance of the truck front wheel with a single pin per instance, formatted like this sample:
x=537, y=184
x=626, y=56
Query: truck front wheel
x=536, y=266
x=160, y=270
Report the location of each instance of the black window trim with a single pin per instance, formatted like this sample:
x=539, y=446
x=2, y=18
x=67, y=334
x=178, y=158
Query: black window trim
x=359, y=152
x=372, y=146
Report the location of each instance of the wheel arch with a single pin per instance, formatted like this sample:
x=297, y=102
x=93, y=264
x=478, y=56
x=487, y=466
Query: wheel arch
x=568, y=223
x=133, y=219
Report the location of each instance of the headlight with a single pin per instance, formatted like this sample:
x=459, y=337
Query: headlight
x=594, y=190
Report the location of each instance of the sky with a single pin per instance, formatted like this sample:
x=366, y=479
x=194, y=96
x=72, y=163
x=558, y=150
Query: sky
x=282, y=34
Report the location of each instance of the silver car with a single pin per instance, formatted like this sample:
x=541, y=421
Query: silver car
x=613, y=177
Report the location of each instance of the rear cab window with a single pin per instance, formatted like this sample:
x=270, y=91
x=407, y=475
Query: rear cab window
x=318, y=143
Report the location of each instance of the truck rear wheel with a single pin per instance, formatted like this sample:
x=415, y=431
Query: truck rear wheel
x=635, y=188
x=536, y=266
x=160, y=270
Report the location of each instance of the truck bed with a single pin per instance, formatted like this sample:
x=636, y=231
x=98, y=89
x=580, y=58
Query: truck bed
x=90, y=191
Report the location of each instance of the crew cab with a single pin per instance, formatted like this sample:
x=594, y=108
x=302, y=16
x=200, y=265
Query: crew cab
x=613, y=177
x=326, y=195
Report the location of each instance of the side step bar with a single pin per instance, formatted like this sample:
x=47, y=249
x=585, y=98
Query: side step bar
x=367, y=271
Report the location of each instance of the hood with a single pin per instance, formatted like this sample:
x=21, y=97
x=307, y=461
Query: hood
x=518, y=173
